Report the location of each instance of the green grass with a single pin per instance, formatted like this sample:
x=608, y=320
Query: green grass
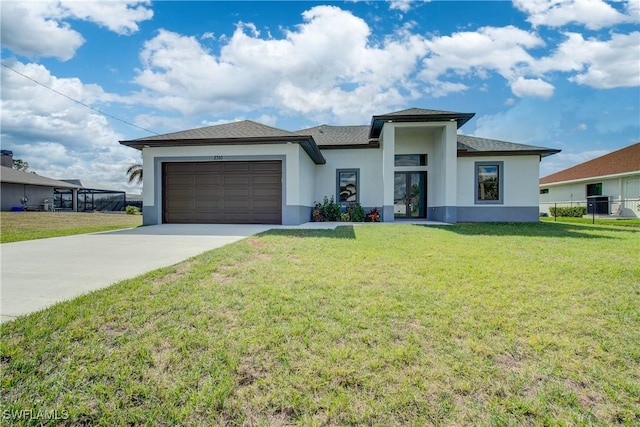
x=493, y=324
x=18, y=226
x=627, y=222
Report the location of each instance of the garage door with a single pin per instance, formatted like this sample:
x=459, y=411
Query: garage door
x=222, y=192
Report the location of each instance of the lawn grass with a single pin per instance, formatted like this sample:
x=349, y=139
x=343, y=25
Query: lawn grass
x=485, y=324
x=18, y=226
x=626, y=222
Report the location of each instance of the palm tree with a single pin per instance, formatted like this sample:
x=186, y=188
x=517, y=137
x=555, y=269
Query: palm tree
x=135, y=173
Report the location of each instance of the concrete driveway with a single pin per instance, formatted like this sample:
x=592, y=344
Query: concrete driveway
x=38, y=273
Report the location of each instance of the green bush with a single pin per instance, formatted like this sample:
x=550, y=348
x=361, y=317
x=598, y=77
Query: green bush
x=328, y=210
x=356, y=212
x=132, y=210
x=573, y=211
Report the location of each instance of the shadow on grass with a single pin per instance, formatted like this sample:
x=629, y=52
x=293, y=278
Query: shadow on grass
x=340, y=232
x=532, y=229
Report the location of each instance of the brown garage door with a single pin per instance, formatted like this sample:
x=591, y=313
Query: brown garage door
x=222, y=192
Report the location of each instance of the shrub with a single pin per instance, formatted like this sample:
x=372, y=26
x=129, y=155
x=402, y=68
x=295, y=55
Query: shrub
x=328, y=210
x=345, y=217
x=373, y=216
x=572, y=211
x=132, y=210
x=356, y=212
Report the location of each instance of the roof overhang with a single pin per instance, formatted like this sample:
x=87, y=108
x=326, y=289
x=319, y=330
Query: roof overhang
x=589, y=179
x=306, y=142
x=541, y=153
x=377, y=122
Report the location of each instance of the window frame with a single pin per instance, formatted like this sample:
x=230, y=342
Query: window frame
x=357, y=184
x=423, y=160
x=597, y=186
x=500, y=170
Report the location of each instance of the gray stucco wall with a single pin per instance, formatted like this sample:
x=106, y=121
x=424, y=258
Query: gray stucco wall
x=498, y=214
x=12, y=193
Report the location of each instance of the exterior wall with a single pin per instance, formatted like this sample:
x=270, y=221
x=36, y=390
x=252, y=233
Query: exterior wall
x=439, y=142
x=293, y=188
x=623, y=192
x=12, y=193
x=367, y=160
x=520, y=201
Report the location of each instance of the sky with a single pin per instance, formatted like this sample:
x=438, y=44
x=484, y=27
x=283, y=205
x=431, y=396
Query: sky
x=79, y=76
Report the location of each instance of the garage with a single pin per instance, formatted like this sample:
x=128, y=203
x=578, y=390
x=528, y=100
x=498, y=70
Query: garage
x=242, y=192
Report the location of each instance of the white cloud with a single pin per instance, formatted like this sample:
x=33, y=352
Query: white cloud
x=327, y=65
x=593, y=14
x=532, y=87
x=599, y=64
x=401, y=5
x=477, y=54
x=56, y=136
x=121, y=17
x=30, y=29
x=40, y=29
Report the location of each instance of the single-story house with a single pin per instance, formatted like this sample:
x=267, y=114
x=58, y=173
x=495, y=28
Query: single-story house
x=410, y=164
x=609, y=184
x=90, y=196
x=25, y=190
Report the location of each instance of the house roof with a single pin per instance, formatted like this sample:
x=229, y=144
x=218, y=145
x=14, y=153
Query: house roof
x=327, y=136
x=245, y=129
x=89, y=185
x=10, y=175
x=417, y=115
x=621, y=161
x=237, y=133
x=475, y=146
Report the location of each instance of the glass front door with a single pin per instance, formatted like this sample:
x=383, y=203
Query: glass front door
x=410, y=195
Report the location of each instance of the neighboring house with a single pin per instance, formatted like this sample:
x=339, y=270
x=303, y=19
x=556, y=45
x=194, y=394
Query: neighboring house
x=25, y=189
x=410, y=164
x=610, y=182
x=90, y=196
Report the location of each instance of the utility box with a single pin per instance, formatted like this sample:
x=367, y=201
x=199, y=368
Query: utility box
x=598, y=205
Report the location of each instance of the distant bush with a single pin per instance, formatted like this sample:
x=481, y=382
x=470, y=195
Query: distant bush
x=573, y=211
x=132, y=210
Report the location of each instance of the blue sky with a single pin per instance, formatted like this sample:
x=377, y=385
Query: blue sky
x=555, y=73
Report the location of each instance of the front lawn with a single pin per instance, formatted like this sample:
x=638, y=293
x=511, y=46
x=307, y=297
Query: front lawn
x=18, y=226
x=494, y=324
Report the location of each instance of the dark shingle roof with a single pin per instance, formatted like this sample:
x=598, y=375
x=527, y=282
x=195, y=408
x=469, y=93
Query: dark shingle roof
x=326, y=135
x=245, y=129
x=417, y=115
x=419, y=112
x=621, y=161
x=236, y=133
x=13, y=176
x=472, y=145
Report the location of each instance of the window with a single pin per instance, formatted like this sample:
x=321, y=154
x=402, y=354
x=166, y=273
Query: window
x=544, y=191
x=347, y=183
x=489, y=182
x=410, y=160
x=594, y=189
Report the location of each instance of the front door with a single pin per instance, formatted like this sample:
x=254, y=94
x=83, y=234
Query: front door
x=410, y=195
